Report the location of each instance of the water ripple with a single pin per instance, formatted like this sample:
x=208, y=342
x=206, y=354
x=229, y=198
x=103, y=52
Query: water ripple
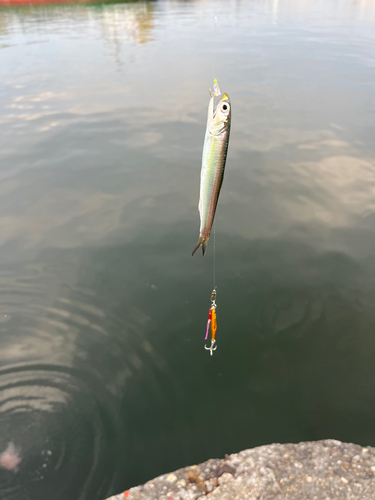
x=58, y=401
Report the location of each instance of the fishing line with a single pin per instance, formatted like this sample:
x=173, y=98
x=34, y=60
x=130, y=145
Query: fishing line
x=214, y=76
x=213, y=45
x=214, y=263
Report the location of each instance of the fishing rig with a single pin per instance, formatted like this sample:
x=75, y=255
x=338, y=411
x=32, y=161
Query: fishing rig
x=212, y=321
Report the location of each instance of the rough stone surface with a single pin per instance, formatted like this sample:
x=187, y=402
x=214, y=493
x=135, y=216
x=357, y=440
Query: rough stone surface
x=322, y=470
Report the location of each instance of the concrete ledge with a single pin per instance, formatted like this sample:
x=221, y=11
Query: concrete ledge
x=321, y=470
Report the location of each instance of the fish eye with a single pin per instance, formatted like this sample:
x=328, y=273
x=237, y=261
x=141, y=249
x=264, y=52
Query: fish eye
x=225, y=107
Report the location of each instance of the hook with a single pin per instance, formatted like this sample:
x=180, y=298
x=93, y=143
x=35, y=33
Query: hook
x=211, y=348
x=216, y=91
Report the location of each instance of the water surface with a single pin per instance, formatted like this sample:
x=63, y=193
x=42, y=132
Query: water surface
x=104, y=382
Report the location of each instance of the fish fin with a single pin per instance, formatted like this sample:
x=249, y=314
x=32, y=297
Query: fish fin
x=202, y=240
x=204, y=245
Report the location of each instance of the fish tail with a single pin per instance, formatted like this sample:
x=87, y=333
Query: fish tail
x=202, y=240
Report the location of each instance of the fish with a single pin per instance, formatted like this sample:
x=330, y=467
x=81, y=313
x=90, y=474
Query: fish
x=9, y=458
x=213, y=162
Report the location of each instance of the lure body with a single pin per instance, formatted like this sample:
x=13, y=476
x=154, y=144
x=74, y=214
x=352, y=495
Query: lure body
x=213, y=324
x=213, y=163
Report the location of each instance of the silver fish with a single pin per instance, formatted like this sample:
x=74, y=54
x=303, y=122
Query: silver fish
x=213, y=163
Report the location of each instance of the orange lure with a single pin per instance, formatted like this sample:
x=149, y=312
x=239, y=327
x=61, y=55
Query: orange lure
x=212, y=321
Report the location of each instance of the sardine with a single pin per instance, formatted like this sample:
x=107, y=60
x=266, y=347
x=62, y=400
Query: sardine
x=213, y=163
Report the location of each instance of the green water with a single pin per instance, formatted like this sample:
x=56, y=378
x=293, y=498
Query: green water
x=104, y=382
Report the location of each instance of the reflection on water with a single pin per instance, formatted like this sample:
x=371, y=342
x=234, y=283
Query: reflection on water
x=126, y=22
x=102, y=308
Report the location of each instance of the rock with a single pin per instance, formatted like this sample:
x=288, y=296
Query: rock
x=321, y=470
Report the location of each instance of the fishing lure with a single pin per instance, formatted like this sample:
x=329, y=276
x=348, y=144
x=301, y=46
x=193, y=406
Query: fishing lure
x=213, y=162
x=213, y=323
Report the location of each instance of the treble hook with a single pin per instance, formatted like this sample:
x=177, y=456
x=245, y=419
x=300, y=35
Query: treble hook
x=211, y=348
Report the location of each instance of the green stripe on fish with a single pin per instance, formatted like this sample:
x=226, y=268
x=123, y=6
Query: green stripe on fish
x=213, y=162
